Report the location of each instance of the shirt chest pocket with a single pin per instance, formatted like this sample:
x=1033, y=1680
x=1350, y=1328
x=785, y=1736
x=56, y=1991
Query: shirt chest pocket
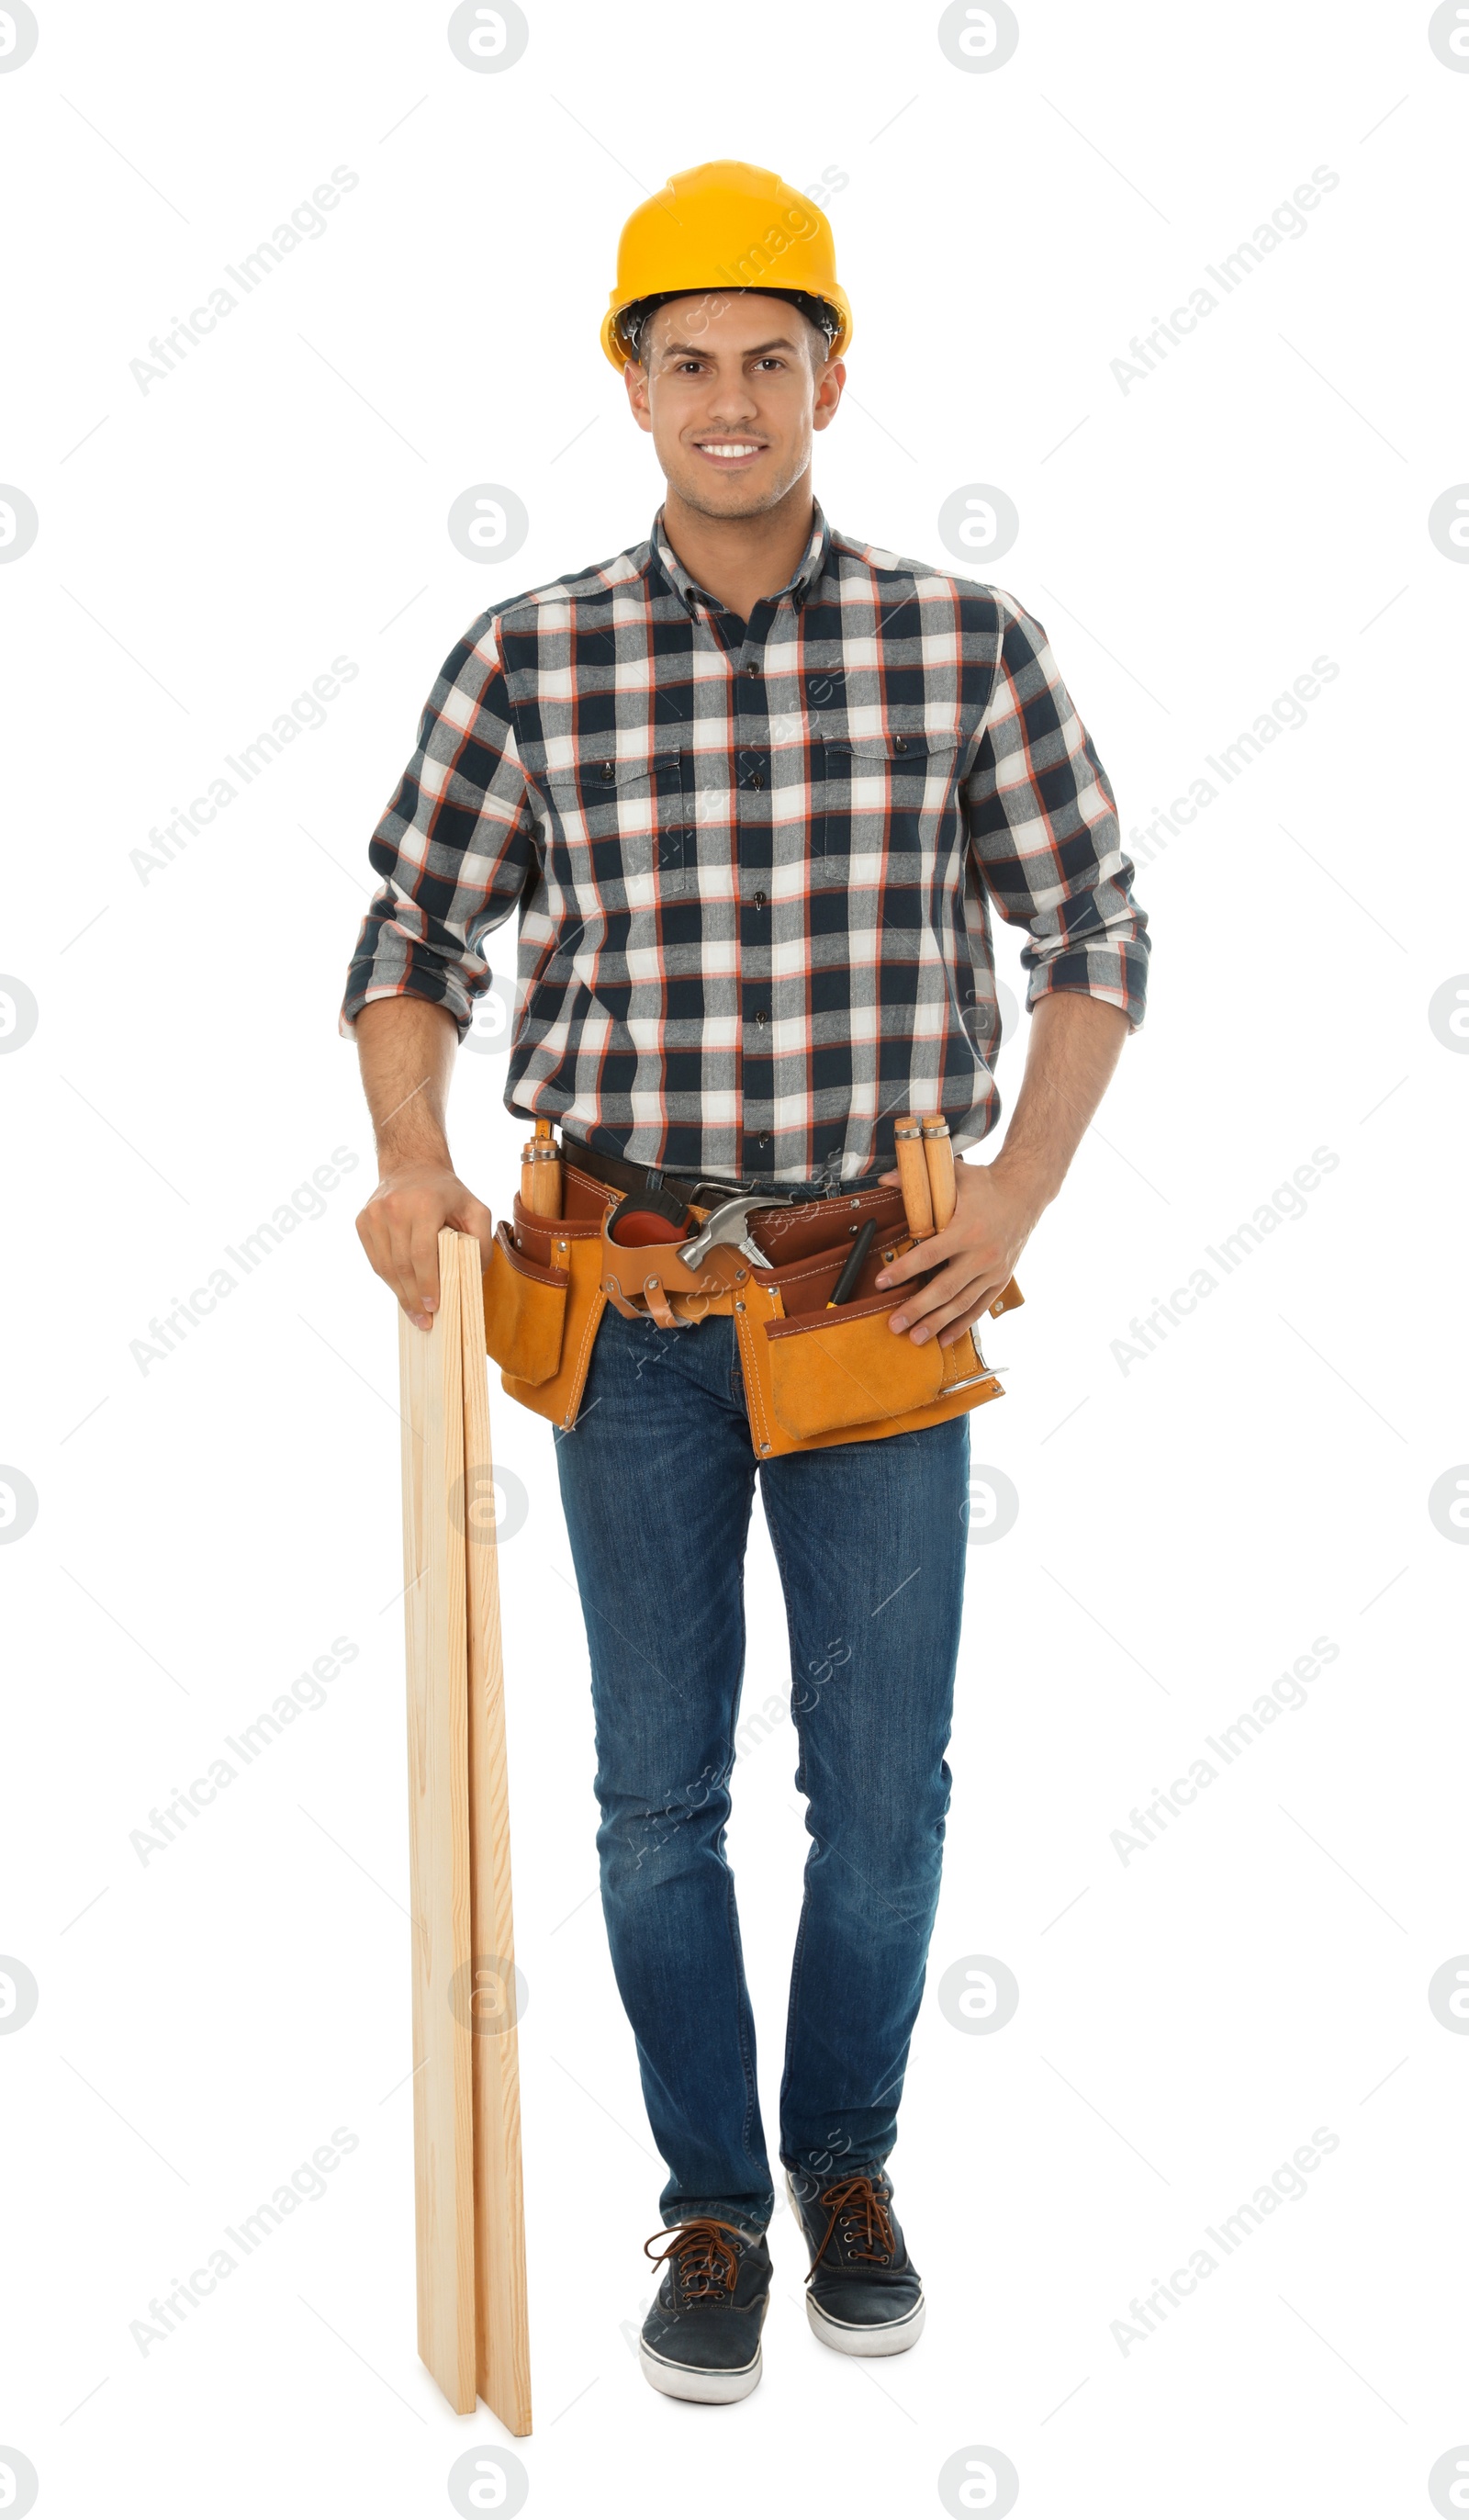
x=881, y=795
x=625, y=828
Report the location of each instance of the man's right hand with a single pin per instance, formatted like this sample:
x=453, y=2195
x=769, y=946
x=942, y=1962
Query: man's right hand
x=399, y=1230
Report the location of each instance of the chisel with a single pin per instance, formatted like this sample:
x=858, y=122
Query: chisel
x=913, y=1172
x=939, y=1152
x=540, y=1172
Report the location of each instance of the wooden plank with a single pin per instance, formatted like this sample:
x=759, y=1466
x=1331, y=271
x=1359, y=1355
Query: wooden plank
x=503, y=2365
x=431, y=1386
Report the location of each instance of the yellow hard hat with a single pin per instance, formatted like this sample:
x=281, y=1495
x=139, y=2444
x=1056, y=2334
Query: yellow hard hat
x=723, y=226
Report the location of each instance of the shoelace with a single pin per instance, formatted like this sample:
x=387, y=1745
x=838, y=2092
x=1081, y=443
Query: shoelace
x=703, y=2264
x=862, y=2211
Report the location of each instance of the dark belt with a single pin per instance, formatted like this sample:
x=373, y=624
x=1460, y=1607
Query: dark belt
x=623, y=1176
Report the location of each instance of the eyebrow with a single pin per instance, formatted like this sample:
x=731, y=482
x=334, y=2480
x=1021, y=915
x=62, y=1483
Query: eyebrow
x=690, y=350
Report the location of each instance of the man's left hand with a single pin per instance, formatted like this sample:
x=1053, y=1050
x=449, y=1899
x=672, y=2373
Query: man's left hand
x=994, y=1218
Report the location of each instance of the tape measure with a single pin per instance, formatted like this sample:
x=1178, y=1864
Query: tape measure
x=648, y=1216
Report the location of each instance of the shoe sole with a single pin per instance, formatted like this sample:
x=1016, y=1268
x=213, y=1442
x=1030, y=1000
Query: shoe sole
x=845, y=2336
x=893, y=2336
x=704, y=2387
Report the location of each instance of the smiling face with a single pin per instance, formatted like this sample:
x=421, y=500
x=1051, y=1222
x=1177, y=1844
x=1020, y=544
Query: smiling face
x=731, y=389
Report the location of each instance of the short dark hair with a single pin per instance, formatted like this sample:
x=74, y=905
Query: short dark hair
x=633, y=321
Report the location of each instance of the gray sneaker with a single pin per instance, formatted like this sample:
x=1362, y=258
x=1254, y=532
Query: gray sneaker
x=701, y=2337
x=862, y=2294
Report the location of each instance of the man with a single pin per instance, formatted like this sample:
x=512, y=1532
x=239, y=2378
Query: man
x=751, y=787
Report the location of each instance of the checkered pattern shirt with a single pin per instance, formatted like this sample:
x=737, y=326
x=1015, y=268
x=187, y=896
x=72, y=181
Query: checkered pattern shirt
x=754, y=861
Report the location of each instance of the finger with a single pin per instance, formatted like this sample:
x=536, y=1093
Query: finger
x=424, y=1269
x=366, y=1234
x=951, y=1319
x=948, y=1288
x=927, y=1254
x=401, y=1281
x=399, y=1271
x=471, y=1216
x=908, y=1264
x=374, y=1235
x=954, y=1319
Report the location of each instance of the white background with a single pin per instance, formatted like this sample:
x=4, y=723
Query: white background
x=1188, y=1526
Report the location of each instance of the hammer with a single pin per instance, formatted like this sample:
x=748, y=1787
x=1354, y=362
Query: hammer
x=729, y=1223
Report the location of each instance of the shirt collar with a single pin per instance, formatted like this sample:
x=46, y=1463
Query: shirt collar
x=691, y=595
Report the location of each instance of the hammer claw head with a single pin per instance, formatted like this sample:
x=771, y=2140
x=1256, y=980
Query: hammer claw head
x=731, y=1224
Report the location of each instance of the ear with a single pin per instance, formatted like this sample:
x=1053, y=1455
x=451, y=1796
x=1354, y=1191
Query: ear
x=635, y=377
x=828, y=394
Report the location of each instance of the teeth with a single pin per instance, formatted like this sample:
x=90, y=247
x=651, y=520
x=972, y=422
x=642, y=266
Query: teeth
x=728, y=453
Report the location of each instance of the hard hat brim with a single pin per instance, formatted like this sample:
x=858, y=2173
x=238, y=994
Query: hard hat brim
x=618, y=303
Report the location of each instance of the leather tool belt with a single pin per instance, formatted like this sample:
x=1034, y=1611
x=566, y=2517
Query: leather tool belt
x=811, y=1376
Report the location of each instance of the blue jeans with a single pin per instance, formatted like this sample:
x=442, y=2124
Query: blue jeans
x=657, y=1479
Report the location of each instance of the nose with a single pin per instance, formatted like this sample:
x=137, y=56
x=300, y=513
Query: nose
x=732, y=401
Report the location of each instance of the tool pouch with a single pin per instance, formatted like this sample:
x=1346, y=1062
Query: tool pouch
x=544, y=1298
x=846, y=1369
x=811, y=1376
x=524, y=1311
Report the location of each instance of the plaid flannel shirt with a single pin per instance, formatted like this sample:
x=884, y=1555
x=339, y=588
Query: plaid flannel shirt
x=753, y=860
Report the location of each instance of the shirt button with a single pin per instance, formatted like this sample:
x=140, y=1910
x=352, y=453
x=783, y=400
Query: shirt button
x=900, y=744
x=752, y=667
x=758, y=900
x=609, y=770
x=764, y=1137
x=761, y=1016
x=757, y=779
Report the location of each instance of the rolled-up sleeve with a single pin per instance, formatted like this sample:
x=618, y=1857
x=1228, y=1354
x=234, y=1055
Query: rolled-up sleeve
x=1044, y=836
x=456, y=848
